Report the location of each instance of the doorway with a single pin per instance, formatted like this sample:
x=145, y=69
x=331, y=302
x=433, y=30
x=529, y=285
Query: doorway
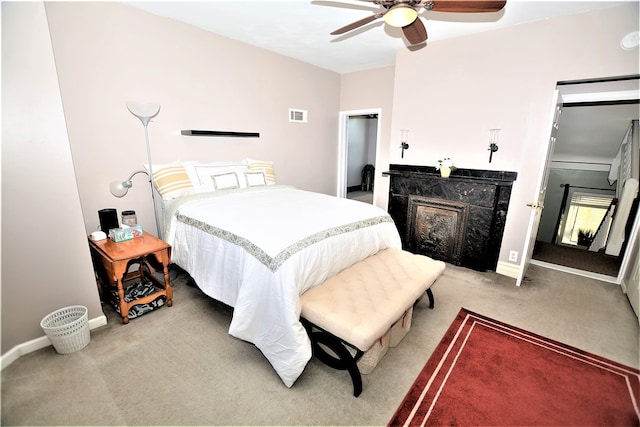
x=358, y=145
x=579, y=175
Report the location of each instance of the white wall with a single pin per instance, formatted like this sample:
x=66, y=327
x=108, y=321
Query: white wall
x=503, y=79
x=108, y=53
x=46, y=263
x=356, y=94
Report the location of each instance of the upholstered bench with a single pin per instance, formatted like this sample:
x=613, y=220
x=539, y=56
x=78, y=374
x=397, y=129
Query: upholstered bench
x=358, y=306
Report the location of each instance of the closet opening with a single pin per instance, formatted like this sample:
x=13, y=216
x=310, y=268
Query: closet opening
x=586, y=225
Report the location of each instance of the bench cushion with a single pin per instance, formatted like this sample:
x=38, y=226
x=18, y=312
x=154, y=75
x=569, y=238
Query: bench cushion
x=361, y=303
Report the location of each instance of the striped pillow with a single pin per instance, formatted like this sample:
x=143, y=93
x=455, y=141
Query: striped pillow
x=262, y=166
x=171, y=181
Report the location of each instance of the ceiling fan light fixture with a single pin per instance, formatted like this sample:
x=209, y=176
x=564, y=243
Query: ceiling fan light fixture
x=400, y=15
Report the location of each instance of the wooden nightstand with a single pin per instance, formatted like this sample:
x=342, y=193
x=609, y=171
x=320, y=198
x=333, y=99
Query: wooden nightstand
x=111, y=261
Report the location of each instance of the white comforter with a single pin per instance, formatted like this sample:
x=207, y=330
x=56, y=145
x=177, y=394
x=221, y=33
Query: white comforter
x=259, y=249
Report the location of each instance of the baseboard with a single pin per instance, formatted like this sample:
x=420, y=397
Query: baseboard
x=41, y=342
x=577, y=272
x=508, y=269
x=513, y=270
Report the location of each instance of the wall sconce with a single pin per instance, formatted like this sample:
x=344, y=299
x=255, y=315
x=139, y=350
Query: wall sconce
x=494, y=135
x=404, y=134
x=121, y=188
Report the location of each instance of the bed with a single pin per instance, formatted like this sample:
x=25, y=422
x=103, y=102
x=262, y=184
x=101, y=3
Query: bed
x=257, y=248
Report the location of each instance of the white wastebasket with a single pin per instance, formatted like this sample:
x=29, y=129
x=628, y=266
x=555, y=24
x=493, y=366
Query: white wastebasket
x=67, y=328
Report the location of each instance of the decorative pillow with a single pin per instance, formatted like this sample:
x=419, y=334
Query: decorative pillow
x=255, y=179
x=225, y=181
x=262, y=166
x=202, y=180
x=171, y=180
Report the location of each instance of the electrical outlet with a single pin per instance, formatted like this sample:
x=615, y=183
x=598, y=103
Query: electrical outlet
x=513, y=256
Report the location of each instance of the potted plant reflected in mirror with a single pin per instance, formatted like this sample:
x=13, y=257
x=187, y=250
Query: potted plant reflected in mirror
x=585, y=237
x=445, y=166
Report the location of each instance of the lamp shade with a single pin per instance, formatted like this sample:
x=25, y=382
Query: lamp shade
x=400, y=15
x=144, y=112
x=118, y=189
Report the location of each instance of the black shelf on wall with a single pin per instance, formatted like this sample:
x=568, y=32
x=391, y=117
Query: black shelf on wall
x=220, y=133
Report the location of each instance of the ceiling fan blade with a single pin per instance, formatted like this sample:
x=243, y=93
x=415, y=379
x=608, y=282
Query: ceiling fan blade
x=357, y=24
x=468, y=6
x=415, y=32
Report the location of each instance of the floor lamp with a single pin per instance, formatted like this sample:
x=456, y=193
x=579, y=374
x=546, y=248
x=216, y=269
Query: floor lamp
x=145, y=112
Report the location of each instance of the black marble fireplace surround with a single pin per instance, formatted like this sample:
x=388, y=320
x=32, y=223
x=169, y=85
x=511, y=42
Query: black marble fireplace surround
x=459, y=219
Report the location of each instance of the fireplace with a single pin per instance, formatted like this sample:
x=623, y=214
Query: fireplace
x=459, y=219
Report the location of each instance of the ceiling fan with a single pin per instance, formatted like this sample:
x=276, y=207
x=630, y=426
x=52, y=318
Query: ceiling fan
x=404, y=14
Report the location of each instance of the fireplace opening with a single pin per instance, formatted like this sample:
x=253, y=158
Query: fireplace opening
x=437, y=227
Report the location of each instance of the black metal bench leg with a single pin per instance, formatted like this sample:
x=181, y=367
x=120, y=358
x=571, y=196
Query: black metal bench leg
x=356, y=378
x=431, y=300
x=344, y=361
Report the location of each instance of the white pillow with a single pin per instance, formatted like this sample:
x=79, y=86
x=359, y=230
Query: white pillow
x=225, y=181
x=255, y=179
x=202, y=180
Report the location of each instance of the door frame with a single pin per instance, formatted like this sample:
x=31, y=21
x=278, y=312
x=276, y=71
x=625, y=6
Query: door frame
x=592, y=97
x=343, y=147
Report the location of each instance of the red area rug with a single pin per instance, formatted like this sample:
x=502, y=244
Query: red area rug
x=485, y=372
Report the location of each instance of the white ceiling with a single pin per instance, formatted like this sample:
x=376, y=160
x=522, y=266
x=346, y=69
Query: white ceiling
x=594, y=132
x=300, y=29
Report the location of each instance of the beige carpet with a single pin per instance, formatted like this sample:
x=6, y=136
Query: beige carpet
x=580, y=259
x=178, y=365
x=362, y=196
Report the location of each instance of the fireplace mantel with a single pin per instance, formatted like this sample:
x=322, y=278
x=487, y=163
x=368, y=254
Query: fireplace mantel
x=459, y=219
x=458, y=174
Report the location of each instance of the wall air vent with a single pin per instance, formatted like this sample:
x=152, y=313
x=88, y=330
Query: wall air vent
x=297, y=115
